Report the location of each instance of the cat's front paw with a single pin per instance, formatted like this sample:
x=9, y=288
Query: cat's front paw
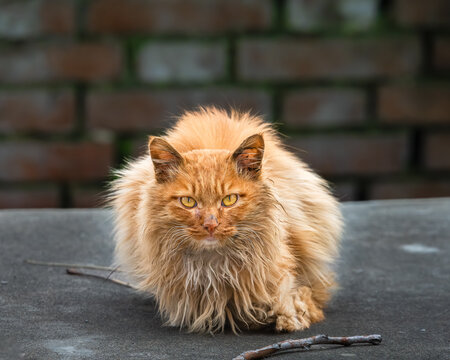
x=289, y=323
x=306, y=307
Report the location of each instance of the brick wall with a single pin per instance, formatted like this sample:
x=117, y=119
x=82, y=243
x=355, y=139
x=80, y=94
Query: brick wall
x=361, y=87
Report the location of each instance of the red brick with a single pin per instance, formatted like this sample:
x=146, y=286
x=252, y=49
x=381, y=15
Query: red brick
x=160, y=61
x=353, y=154
x=178, y=16
x=149, y=110
x=441, y=53
x=29, y=198
x=59, y=62
x=324, y=107
x=437, y=151
x=430, y=13
x=297, y=59
x=37, y=111
x=426, y=104
x=31, y=19
x=88, y=197
x=410, y=189
x=54, y=161
x=307, y=15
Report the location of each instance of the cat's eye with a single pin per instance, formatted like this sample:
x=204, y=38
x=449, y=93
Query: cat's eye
x=229, y=200
x=188, y=202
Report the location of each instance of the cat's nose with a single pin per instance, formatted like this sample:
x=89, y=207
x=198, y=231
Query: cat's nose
x=210, y=224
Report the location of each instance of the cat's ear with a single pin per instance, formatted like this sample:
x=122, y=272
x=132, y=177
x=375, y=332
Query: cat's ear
x=248, y=156
x=166, y=160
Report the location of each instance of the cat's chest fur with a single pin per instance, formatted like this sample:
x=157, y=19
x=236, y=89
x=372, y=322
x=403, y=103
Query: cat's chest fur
x=210, y=270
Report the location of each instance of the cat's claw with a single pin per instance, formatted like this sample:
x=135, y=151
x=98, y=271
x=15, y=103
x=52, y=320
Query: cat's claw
x=286, y=323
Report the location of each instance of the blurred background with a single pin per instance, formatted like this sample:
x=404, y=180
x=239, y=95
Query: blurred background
x=362, y=87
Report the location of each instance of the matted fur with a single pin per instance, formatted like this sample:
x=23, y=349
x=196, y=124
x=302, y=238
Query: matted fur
x=276, y=245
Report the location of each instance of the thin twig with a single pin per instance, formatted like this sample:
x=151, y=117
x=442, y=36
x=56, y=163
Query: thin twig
x=115, y=281
x=80, y=266
x=306, y=343
x=112, y=272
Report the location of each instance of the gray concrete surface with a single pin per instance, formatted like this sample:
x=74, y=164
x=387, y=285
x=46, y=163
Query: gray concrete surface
x=394, y=275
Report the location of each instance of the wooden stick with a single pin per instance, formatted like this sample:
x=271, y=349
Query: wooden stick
x=306, y=344
x=115, y=281
x=80, y=266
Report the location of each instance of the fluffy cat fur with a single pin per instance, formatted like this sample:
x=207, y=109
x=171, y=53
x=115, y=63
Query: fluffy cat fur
x=270, y=260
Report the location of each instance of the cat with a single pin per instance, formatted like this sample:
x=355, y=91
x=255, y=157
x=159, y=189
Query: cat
x=223, y=225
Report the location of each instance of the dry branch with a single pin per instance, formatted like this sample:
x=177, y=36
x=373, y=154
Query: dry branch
x=115, y=281
x=306, y=344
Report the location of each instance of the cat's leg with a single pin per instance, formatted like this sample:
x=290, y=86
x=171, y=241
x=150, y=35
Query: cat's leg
x=305, y=302
x=293, y=307
x=313, y=273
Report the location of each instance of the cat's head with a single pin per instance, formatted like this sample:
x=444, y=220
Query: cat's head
x=210, y=198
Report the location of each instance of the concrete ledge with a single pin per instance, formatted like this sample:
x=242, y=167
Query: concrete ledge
x=394, y=276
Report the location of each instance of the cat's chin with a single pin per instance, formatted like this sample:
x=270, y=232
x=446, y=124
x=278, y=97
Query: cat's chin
x=210, y=242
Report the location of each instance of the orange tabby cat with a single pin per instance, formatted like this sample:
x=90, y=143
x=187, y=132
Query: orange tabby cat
x=224, y=226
